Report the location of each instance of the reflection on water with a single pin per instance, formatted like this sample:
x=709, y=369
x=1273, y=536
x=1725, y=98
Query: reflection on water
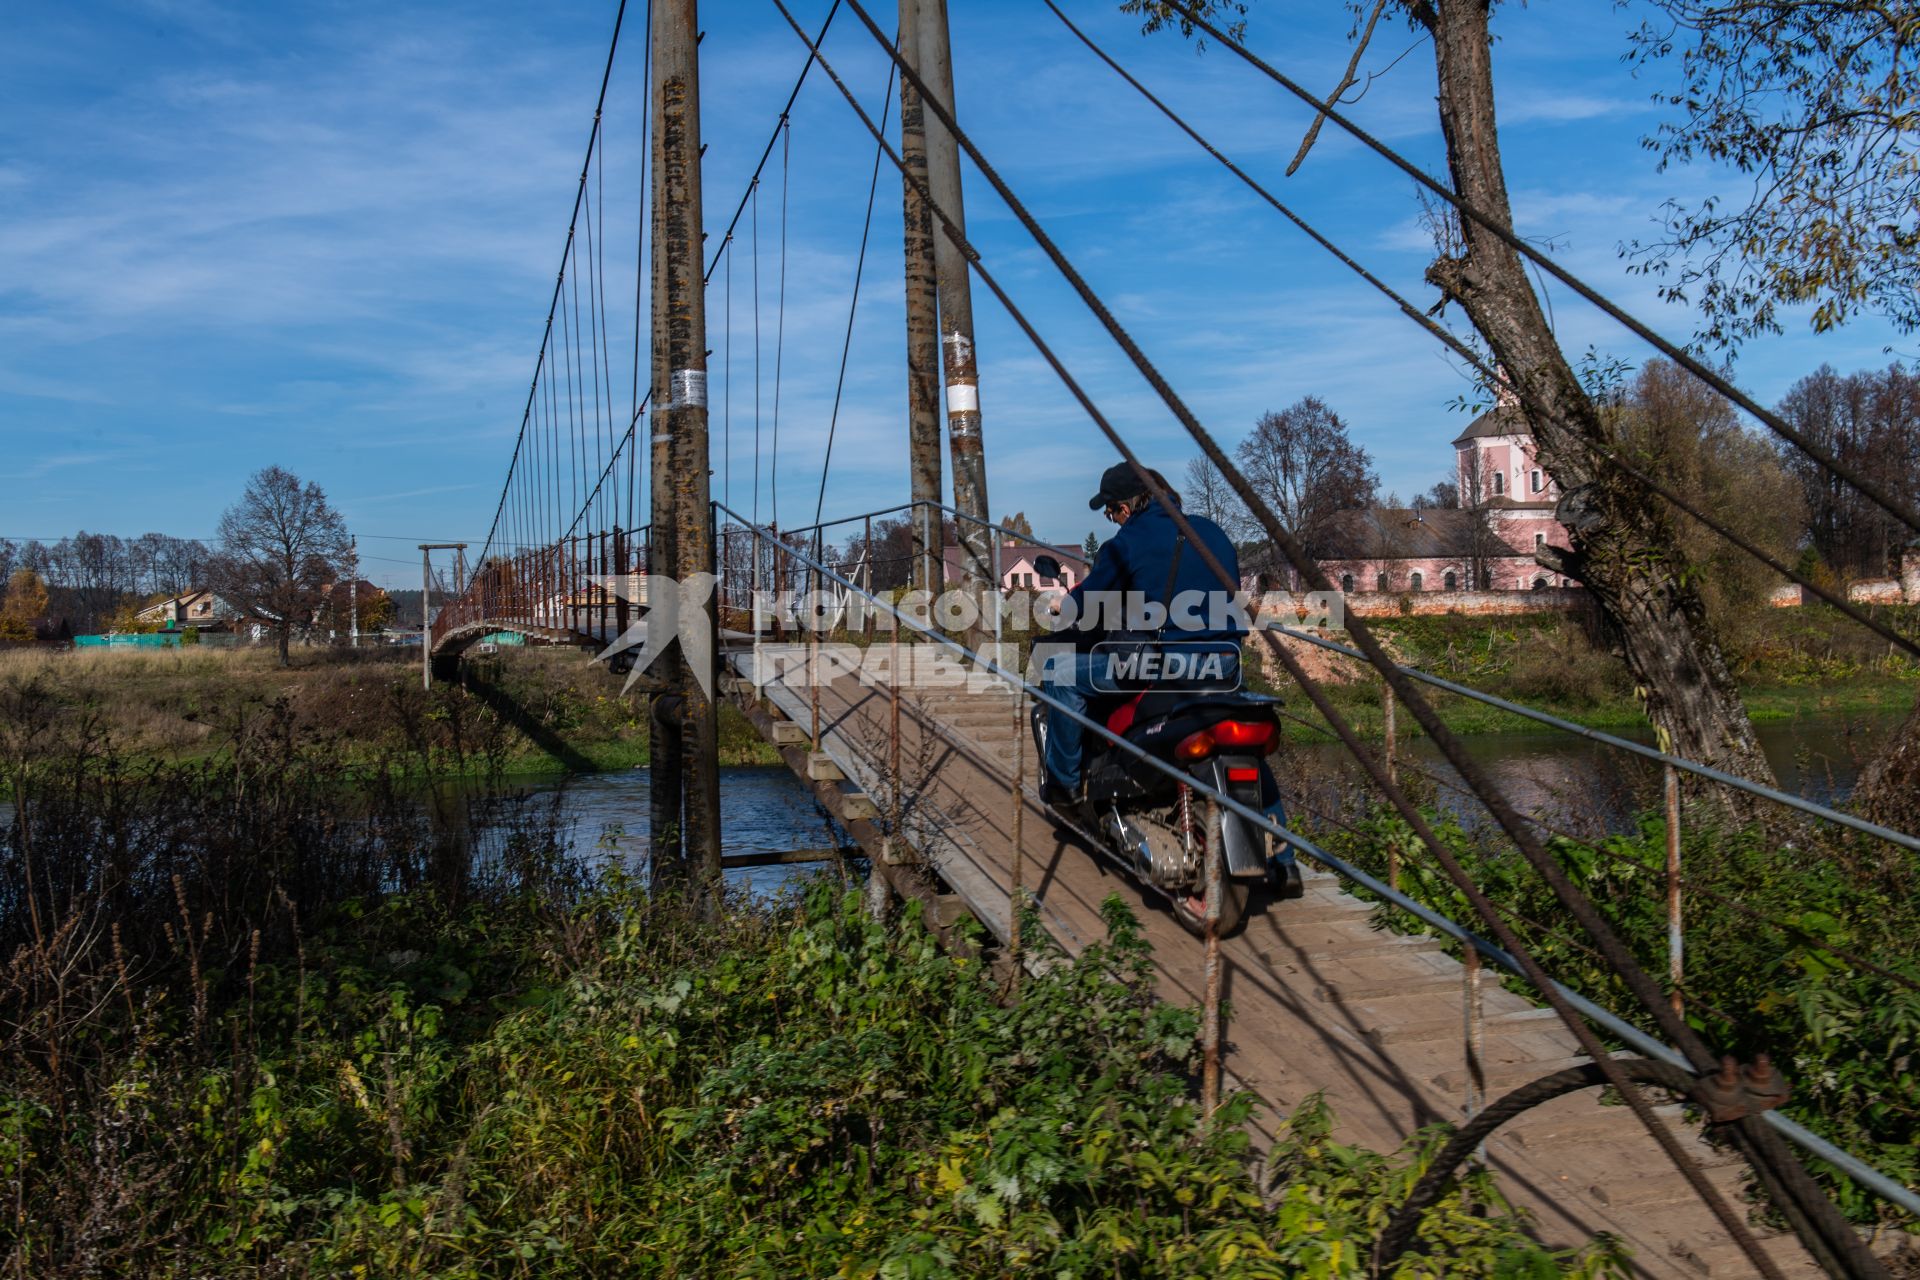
x=762, y=810
x=1558, y=776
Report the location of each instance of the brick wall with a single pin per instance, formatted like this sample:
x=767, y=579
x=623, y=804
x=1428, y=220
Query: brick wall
x=1395, y=604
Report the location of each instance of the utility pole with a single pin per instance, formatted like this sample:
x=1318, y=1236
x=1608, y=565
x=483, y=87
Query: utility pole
x=923, y=339
x=935, y=66
x=426, y=601
x=684, y=808
x=353, y=598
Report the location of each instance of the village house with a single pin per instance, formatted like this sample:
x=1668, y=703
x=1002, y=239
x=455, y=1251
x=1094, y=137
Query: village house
x=1017, y=572
x=200, y=610
x=1487, y=543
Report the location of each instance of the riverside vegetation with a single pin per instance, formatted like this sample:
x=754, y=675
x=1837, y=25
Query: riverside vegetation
x=251, y=1031
x=1843, y=1024
x=1788, y=663
x=519, y=712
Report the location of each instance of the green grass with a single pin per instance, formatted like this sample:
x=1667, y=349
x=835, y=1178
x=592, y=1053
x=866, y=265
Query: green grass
x=526, y=712
x=1809, y=662
x=607, y=1086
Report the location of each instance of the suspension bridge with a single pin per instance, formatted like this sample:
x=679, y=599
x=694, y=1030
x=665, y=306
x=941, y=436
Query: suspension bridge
x=608, y=537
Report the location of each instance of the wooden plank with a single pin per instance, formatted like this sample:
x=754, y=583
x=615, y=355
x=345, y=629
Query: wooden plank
x=1386, y=1066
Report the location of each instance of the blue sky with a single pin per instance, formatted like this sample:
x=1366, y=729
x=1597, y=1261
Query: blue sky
x=324, y=236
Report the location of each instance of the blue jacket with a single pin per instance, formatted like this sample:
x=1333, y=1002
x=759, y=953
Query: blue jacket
x=1140, y=556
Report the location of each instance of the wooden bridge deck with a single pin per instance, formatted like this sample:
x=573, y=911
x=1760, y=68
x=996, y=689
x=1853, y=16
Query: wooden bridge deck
x=1321, y=1001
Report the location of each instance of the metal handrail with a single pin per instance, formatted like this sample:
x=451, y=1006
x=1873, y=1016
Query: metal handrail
x=1624, y=744
x=1860, y=1171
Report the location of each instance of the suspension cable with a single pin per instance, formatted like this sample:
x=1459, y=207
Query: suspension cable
x=846, y=345
x=780, y=322
x=1491, y=375
x=1901, y=509
x=1595, y=926
x=540, y=361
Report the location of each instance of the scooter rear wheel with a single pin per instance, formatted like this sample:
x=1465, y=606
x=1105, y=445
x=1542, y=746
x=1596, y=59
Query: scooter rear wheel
x=1236, y=896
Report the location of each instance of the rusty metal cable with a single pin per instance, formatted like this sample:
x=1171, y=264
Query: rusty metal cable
x=1724, y=1213
x=1900, y=509
x=1492, y=375
x=1805, y=1198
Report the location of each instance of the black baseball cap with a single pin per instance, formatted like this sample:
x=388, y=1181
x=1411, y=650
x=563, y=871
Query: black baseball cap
x=1121, y=483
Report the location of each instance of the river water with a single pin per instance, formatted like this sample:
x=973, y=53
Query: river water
x=1558, y=775
x=763, y=809
x=1553, y=775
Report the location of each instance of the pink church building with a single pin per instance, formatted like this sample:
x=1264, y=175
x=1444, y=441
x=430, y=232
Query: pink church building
x=1486, y=543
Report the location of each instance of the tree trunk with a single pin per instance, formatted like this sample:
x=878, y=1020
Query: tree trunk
x=1624, y=551
x=284, y=634
x=1889, y=788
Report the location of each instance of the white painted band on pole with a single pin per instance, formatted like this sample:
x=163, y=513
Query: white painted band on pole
x=688, y=389
x=963, y=397
x=661, y=437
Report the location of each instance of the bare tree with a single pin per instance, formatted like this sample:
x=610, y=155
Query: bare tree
x=1444, y=496
x=1480, y=543
x=165, y=565
x=280, y=545
x=1302, y=463
x=1871, y=421
x=1206, y=493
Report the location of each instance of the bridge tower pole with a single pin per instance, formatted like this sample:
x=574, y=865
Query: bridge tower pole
x=684, y=808
x=923, y=339
x=935, y=67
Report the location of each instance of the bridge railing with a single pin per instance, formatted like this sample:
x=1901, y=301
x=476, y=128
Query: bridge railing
x=799, y=550
x=585, y=588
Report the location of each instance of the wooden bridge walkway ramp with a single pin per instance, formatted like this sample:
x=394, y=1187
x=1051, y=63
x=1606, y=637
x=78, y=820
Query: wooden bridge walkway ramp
x=1321, y=1000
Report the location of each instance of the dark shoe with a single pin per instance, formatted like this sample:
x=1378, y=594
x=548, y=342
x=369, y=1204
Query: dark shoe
x=1067, y=805
x=1055, y=796
x=1285, y=873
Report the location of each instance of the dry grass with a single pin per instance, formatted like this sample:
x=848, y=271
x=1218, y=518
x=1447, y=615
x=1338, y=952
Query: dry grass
x=546, y=709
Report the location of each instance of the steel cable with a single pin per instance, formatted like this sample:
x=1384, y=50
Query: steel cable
x=846, y=346
x=1902, y=510
x=1595, y=926
x=1490, y=374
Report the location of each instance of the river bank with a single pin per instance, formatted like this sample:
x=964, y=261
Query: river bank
x=245, y=1033
x=1812, y=665
x=523, y=712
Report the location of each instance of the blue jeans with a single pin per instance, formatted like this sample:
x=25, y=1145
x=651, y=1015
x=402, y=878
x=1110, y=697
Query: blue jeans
x=1072, y=679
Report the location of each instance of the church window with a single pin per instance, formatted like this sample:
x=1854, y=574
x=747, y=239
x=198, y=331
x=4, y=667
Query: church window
x=1452, y=580
x=1346, y=582
x=1539, y=541
x=1537, y=483
x=1379, y=582
x=1499, y=484
x=1418, y=580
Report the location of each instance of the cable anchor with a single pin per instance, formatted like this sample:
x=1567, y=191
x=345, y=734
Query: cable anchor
x=1735, y=1092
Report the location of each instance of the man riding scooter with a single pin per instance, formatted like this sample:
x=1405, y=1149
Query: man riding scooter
x=1137, y=577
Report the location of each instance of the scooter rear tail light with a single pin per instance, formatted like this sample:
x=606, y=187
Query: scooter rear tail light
x=1243, y=775
x=1195, y=746
x=1244, y=733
